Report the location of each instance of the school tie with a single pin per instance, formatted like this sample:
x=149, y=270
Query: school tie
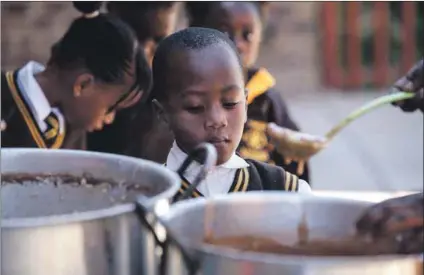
x=53, y=135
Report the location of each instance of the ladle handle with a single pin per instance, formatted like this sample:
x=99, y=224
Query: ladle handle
x=206, y=154
x=368, y=107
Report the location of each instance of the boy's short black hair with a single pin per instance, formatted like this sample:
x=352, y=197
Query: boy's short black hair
x=198, y=11
x=134, y=13
x=189, y=39
x=104, y=45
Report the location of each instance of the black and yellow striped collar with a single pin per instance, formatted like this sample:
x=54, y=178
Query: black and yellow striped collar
x=54, y=136
x=240, y=183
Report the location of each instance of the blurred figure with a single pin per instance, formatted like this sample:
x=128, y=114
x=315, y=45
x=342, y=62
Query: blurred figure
x=243, y=23
x=136, y=130
x=152, y=21
x=94, y=70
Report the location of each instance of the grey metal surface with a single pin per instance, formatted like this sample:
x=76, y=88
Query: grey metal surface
x=273, y=215
x=96, y=242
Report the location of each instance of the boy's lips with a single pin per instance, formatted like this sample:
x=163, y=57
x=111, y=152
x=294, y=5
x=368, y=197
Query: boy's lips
x=219, y=141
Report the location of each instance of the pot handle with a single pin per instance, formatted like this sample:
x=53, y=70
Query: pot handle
x=148, y=219
x=207, y=155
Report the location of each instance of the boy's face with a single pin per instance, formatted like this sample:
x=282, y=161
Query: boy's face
x=150, y=26
x=241, y=22
x=206, y=101
x=161, y=24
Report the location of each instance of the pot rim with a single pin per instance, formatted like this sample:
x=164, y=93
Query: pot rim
x=295, y=260
x=102, y=213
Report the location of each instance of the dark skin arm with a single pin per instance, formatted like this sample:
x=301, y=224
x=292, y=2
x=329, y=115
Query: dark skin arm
x=412, y=81
x=398, y=220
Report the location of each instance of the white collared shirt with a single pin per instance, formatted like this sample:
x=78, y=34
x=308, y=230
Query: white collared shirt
x=220, y=179
x=34, y=96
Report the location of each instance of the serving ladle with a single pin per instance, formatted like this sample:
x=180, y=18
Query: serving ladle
x=300, y=147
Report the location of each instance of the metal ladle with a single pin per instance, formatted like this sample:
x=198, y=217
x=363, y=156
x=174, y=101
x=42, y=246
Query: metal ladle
x=300, y=147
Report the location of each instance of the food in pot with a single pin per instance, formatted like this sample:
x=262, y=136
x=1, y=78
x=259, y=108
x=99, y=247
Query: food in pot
x=24, y=196
x=393, y=226
x=347, y=247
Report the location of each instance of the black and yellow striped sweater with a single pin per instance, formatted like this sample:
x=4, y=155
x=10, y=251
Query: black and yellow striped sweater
x=265, y=105
x=21, y=128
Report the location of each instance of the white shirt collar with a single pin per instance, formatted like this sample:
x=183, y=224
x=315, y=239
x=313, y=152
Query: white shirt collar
x=176, y=157
x=217, y=181
x=32, y=93
x=29, y=86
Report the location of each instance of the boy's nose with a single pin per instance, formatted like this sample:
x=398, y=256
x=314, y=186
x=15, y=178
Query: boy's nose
x=216, y=119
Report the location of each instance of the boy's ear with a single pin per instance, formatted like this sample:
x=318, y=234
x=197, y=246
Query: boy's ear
x=160, y=111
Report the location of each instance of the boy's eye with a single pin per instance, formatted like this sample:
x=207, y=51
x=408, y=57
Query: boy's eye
x=194, y=109
x=230, y=105
x=247, y=35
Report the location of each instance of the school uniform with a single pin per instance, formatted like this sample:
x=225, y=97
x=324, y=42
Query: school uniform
x=236, y=175
x=28, y=120
x=137, y=132
x=265, y=105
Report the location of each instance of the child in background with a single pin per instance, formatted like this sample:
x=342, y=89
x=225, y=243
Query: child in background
x=199, y=92
x=136, y=130
x=94, y=70
x=151, y=21
x=242, y=22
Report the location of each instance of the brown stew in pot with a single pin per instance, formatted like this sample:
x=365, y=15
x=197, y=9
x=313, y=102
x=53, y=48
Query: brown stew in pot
x=357, y=245
x=348, y=247
x=24, y=196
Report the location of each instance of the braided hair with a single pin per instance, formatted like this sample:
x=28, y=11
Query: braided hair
x=102, y=44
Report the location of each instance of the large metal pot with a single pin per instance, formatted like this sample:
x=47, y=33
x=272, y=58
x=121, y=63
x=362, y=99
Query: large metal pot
x=104, y=241
x=269, y=214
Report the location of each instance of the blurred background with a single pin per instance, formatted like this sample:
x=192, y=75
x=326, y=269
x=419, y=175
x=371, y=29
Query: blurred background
x=328, y=57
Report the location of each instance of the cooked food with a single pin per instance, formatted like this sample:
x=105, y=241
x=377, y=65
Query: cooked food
x=393, y=226
x=45, y=195
x=354, y=246
x=296, y=145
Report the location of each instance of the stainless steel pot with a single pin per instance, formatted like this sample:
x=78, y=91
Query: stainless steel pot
x=97, y=242
x=276, y=215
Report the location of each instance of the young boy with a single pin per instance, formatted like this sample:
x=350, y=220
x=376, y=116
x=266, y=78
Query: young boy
x=242, y=22
x=136, y=130
x=199, y=92
x=95, y=69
